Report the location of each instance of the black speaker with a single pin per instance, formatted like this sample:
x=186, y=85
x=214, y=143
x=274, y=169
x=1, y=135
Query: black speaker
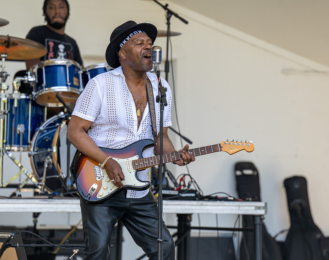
x=221, y=247
x=12, y=253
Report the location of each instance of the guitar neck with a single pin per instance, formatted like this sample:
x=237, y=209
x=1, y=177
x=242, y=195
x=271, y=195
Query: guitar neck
x=144, y=163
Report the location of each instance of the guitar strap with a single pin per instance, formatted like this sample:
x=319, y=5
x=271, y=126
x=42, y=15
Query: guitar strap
x=150, y=99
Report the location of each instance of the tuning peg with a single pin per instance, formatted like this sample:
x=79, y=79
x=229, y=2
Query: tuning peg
x=250, y=141
x=227, y=140
x=246, y=141
x=232, y=140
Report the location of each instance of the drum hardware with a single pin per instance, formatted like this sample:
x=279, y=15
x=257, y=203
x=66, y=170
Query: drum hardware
x=20, y=131
x=81, y=82
x=48, y=160
x=3, y=74
x=22, y=170
x=26, y=79
x=41, y=152
x=3, y=113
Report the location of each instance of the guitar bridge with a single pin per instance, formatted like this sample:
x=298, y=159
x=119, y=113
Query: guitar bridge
x=98, y=173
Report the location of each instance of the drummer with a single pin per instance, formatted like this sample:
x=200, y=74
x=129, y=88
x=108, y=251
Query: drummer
x=59, y=45
x=52, y=35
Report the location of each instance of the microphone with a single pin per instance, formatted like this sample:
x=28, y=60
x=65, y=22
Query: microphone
x=64, y=104
x=156, y=56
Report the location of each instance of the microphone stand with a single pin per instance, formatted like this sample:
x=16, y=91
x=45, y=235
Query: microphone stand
x=169, y=14
x=180, y=135
x=163, y=102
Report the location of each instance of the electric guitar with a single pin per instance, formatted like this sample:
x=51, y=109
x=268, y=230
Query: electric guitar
x=94, y=184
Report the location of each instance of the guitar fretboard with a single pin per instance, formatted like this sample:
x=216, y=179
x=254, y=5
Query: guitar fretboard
x=171, y=157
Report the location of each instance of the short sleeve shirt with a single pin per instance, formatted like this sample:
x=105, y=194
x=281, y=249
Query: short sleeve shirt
x=107, y=102
x=59, y=46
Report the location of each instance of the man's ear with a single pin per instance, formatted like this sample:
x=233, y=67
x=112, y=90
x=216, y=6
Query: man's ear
x=122, y=54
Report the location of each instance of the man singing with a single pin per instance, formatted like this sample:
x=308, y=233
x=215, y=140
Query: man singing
x=113, y=112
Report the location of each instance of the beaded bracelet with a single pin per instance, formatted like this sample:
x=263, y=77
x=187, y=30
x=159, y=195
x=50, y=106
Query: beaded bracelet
x=106, y=159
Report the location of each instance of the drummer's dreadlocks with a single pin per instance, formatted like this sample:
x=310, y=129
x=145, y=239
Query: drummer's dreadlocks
x=44, y=8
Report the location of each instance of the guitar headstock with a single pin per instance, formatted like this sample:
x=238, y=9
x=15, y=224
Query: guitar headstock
x=234, y=146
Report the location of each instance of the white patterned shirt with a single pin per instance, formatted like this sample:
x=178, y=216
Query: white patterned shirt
x=107, y=102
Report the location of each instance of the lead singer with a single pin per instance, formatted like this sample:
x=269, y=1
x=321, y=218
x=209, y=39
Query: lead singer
x=113, y=112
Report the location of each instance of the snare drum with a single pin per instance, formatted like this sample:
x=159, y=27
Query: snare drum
x=94, y=70
x=23, y=116
x=53, y=77
x=49, y=142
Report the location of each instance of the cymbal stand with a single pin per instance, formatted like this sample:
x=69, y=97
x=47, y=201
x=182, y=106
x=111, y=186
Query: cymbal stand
x=47, y=161
x=3, y=101
x=20, y=131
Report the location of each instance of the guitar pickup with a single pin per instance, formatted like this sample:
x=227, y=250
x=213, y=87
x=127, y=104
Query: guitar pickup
x=98, y=173
x=129, y=166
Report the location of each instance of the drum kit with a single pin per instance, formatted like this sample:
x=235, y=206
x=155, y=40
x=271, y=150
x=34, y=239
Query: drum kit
x=24, y=126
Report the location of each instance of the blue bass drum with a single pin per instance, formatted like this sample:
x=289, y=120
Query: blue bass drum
x=23, y=116
x=49, y=150
x=94, y=70
x=53, y=77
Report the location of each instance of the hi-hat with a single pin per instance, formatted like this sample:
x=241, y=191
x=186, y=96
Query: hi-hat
x=21, y=49
x=3, y=22
x=163, y=33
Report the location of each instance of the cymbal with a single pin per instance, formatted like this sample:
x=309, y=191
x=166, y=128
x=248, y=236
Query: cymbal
x=163, y=33
x=3, y=22
x=21, y=49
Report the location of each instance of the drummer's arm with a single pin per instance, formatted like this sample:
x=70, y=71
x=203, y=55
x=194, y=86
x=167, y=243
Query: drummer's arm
x=77, y=135
x=30, y=63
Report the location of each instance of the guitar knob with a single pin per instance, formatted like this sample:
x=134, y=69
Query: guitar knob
x=100, y=194
x=107, y=179
x=104, y=187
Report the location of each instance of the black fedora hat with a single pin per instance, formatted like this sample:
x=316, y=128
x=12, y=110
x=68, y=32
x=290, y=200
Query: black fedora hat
x=122, y=34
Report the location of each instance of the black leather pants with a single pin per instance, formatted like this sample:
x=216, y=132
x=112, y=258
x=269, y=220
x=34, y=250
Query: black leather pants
x=140, y=217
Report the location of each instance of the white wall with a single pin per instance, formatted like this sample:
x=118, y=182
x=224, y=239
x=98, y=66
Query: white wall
x=228, y=85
